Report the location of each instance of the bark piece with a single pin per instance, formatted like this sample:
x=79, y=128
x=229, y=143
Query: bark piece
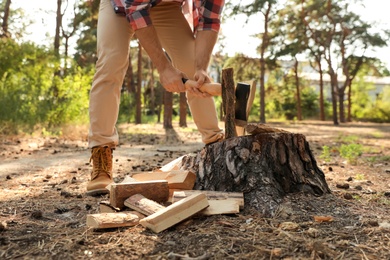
x=211, y=195
x=143, y=205
x=154, y=190
x=177, y=179
x=175, y=213
x=113, y=220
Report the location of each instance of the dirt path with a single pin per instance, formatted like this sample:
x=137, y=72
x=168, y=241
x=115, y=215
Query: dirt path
x=43, y=207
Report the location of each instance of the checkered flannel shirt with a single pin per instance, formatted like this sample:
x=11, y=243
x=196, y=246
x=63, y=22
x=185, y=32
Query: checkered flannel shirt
x=206, y=13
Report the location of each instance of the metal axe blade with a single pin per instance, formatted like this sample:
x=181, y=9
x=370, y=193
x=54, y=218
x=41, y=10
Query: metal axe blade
x=245, y=94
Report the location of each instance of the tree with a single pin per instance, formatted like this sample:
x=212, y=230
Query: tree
x=138, y=95
x=4, y=25
x=268, y=9
x=68, y=32
x=344, y=38
x=86, y=17
x=183, y=110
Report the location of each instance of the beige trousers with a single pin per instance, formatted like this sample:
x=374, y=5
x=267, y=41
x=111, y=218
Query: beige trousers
x=113, y=41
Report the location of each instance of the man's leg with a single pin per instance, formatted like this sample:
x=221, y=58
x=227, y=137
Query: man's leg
x=177, y=39
x=113, y=38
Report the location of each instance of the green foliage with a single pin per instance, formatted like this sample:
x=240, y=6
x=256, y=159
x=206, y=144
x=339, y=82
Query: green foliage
x=281, y=98
x=126, y=108
x=325, y=155
x=351, y=152
x=30, y=93
x=368, y=104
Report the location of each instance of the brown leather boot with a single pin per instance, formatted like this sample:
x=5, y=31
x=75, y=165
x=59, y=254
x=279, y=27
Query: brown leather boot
x=101, y=174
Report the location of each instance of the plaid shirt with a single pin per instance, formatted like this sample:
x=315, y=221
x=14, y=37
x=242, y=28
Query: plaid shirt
x=206, y=13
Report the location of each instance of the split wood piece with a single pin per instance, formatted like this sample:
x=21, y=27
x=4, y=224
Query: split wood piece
x=175, y=213
x=262, y=128
x=113, y=220
x=228, y=102
x=173, y=165
x=220, y=207
x=178, y=179
x=143, y=205
x=105, y=207
x=211, y=195
x=153, y=190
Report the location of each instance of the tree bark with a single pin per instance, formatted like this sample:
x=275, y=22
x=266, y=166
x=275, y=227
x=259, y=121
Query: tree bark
x=298, y=90
x=264, y=166
x=138, y=100
x=57, y=37
x=183, y=110
x=322, y=109
x=4, y=26
x=168, y=109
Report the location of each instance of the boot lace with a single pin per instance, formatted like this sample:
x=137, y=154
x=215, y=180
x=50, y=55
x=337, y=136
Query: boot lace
x=102, y=161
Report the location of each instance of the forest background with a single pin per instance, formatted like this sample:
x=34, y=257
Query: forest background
x=44, y=86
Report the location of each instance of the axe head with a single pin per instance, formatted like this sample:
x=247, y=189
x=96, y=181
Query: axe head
x=243, y=92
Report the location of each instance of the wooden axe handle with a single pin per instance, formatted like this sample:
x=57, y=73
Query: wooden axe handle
x=213, y=89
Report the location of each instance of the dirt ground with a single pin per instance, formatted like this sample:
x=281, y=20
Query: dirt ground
x=43, y=208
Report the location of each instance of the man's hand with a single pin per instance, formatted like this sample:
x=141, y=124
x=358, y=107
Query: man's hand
x=171, y=79
x=200, y=77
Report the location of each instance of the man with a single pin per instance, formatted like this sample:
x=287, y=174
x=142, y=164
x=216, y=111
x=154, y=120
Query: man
x=159, y=26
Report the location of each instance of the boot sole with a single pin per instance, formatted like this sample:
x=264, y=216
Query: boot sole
x=97, y=192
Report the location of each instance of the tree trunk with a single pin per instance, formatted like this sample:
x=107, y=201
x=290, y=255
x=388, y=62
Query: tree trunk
x=349, y=117
x=4, y=26
x=322, y=109
x=58, y=27
x=152, y=93
x=264, y=166
x=138, y=100
x=168, y=109
x=130, y=84
x=341, y=105
x=298, y=91
x=333, y=89
x=263, y=47
x=183, y=110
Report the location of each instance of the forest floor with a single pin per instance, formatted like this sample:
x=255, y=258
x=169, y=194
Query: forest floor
x=43, y=207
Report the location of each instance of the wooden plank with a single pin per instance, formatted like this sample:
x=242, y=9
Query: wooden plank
x=175, y=213
x=153, y=190
x=211, y=195
x=177, y=179
x=219, y=207
x=113, y=220
x=143, y=205
x=173, y=165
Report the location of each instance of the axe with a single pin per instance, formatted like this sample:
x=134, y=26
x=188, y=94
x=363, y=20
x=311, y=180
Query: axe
x=244, y=95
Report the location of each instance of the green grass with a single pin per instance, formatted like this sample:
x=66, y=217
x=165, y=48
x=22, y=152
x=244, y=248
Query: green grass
x=351, y=152
x=325, y=155
x=348, y=138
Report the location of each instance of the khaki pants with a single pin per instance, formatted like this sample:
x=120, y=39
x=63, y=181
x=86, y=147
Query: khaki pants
x=113, y=41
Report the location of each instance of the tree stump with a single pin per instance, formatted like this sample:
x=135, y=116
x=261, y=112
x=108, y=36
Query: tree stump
x=265, y=166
